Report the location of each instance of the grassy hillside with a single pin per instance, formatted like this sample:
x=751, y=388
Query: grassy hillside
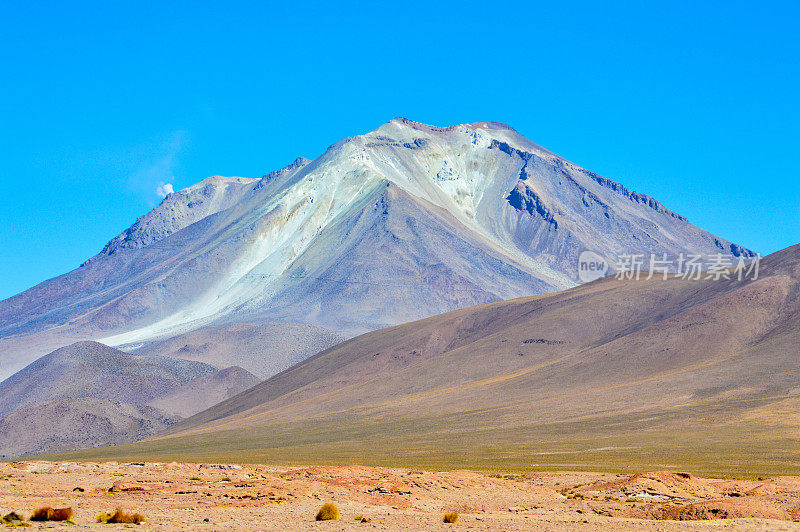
x=698, y=375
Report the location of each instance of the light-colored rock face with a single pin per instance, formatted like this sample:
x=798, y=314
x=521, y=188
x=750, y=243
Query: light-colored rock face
x=401, y=223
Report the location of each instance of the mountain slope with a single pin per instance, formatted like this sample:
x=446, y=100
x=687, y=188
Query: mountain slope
x=262, y=348
x=88, y=394
x=396, y=249
x=180, y=210
x=91, y=369
x=470, y=213
x=204, y=392
x=698, y=374
x=78, y=423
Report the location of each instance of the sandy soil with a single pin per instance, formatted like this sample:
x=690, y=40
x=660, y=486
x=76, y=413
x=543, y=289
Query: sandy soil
x=178, y=496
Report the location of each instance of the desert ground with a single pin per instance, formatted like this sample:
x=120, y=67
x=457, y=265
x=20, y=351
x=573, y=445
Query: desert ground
x=182, y=496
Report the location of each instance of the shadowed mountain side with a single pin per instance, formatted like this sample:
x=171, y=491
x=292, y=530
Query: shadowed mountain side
x=262, y=348
x=678, y=367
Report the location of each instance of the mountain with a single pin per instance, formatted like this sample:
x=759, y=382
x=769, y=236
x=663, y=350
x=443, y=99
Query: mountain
x=91, y=369
x=204, y=392
x=679, y=373
x=89, y=394
x=262, y=348
x=68, y=424
x=435, y=218
x=180, y=210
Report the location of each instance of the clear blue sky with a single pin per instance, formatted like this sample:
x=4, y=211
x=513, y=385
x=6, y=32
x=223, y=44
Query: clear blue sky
x=694, y=103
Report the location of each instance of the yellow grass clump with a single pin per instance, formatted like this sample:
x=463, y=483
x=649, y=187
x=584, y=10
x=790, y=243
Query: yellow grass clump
x=13, y=519
x=121, y=517
x=451, y=517
x=50, y=514
x=328, y=512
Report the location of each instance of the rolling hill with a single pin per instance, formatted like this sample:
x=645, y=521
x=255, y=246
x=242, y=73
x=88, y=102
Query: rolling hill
x=88, y=394
x=677, y=373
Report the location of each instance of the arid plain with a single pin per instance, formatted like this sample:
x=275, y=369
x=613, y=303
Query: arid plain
x=180, y=496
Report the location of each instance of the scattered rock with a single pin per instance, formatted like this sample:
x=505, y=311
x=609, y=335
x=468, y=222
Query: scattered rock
x=121, y=486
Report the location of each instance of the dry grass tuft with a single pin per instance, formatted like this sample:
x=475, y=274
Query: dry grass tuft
x=13, y=519
x=42, y=514
x=49, y=514
x=451, y=517
x=121, y=517
x=62, y=514
x=328, y=512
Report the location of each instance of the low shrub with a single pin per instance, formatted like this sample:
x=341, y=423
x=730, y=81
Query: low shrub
x=328, y=512
x=13, y=519
x=120, y=516
x=451, y=517
x=50, y=514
